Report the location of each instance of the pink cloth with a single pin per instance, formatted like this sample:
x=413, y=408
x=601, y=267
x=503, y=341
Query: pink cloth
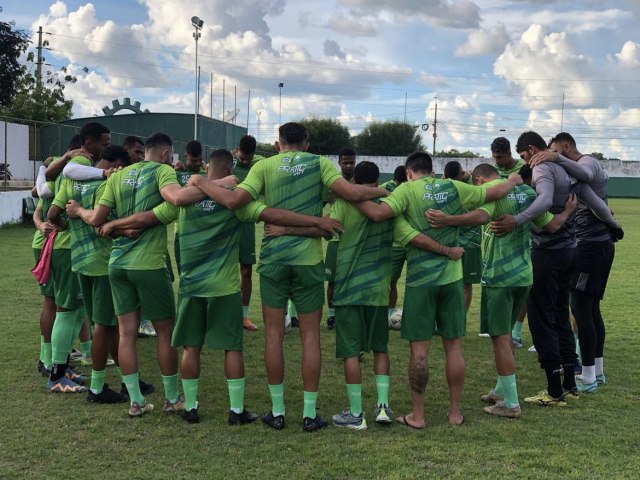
x=43, y=266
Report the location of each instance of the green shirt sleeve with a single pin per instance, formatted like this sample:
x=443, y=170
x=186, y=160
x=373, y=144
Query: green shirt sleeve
x=63, y=195
x=99, y=192
x=398, y=200
x=166, y=176
x=403, y=232
x=254, y=183
x=251, y=211
x=543, y=220
x=471, y=197
x=166, y=213
x=328, y=172
x=337, y=210
x=108, y=198
x=81, y=160
x=490, y=208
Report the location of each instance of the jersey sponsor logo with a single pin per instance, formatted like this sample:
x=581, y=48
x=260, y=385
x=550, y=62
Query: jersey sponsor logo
x=79, y=187
x=285, y=160
x=207, y=205
x=132, y=182
x=293, y=170
x=438, y=197
x=518, y=197
x=133, y=172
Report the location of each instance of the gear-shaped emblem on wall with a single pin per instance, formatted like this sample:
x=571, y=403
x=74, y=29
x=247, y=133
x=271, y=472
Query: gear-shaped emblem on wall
x=126, y=105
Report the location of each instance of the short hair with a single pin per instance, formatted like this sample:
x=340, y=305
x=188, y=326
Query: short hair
x=221, y=158
x=563, y=137
x=193, y=148
x=247, y=144
x=293, y=133
x=114, y=153
x=530, y=138
x=419, y=162
x=347, y=152
x=526, y=172
x=452, y=169
x=366, y=172
x=484, y=170
x=75, y=142
x=158, y=140
x=400, y=174
x=501, y=145
x=92, y=130
x=132, y=140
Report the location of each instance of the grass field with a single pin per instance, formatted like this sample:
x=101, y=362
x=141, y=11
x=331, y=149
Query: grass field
x=48, y=436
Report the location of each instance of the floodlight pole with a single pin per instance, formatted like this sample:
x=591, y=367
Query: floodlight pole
x=197, y=24
x=280, y=85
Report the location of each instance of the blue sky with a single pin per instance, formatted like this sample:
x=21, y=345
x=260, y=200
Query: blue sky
x=493, y=65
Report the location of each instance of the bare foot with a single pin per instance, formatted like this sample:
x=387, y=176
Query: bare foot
x=409, y=422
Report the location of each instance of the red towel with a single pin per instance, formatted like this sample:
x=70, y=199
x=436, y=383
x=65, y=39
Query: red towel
x=43, y=266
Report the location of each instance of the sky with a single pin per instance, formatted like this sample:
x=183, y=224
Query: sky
x=492, y=67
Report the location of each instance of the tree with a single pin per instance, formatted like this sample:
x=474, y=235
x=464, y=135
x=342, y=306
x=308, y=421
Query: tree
x=597, y=155
x=392, y=138
x=13, y=43
x=453, y=153
x=326, y=135
x=266, y=149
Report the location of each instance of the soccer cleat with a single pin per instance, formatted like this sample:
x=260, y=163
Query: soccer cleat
x=136, y=410
x=383, y=414
x=64, y=385
x=44, y=371
x=75, y=355
x=395, y=321
x=601, y=379
x=532, y=348
x=276, y=422
x=177, y=406
x=545, y=400
x=147, y=330
x=247, y=325
x=584, y=387
x=313, y=424
x=295, y=323
x=501, y=410
x=191, y=416
x=491, y=398
x=145, y=388
x=331, y=323
x=106, y=396
x=241, y=418
x=74, y=376
x=348, y=420
x=572, y=395
x=86, y=361
x=517, y=342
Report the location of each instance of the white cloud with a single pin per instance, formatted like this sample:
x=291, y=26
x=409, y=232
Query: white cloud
x=333, y=49
x=489, y=41
x=629, y=56
x=353, y=26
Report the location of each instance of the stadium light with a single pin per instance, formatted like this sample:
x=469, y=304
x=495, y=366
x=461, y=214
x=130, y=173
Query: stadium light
x=197, y=24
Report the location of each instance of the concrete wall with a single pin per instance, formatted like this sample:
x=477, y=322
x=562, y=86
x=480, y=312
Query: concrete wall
x=11, y=206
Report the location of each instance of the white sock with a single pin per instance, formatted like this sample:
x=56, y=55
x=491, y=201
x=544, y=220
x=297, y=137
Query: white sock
x=599, y=365
x=588, y=374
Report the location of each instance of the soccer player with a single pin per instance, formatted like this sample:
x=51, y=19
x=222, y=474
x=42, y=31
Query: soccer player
x=553, y=258
x=135, y=148
x=291, y=267
x=246, y=158
x=434, y=297
x=506, y=277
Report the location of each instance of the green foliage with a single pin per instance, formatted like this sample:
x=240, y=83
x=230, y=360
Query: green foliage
x=13, y=43
x=392, y=138
x=326, y=135
x=266, y=149
x=453, y=153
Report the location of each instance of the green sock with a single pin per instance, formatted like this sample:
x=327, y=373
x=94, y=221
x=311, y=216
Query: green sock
x=81, y=312
x=354, y=391
x=42, y=348
x=382, y=385
x=277, y=399
x=331, y=312
x=47, y=356
x=578, y=352
x=390, y=313
x=236, y=394
x=133, y=387
x=245, y=311
x=499, y=388
x=86, y=348
x=97, y=381
x=62, y=336
x=190, y=389
x=517, y=330
x=310, y=399
x=171, y=387
x=291, y=309
x=510, y=390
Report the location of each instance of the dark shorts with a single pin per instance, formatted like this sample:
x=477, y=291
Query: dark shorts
x=98, y=300
x=594, y=265
x=66, y=288
x=147, y=290
x=361, y=328
x=500, y=308
x=330, y=260
x=247, y=243
x=46, y=290
x=471, y=266
x=303, y=284
x=398, y=258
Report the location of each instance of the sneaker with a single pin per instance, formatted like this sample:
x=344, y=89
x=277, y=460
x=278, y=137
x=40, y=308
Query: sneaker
x=147, y=330
x=383, y=414
x=584, y=387
x=276, y=422
x=241, y=418
x=313, y=424
x=44, y=371
x=331, y=323
x=295, y=323
x=145, y=389
x=136, y=410
x=492, y=398
x=395, y=321
x=64, y=385
x=517, y=342
x=247, y=325
x=74, y=376
x=177, y=406
x=106, y=396
x=501, y=410
x=348, y=420
x=75, y=355
x=532, y=348
x=88, y=362
x=572, y=395
x=191, y=416
x=601, y=379
x=545, y=400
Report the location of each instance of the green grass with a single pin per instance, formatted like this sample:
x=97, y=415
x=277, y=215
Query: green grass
x=47, y=436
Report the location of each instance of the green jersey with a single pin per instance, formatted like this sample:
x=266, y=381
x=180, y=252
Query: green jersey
x=209, y=247
x=241, y=170
x=506, y=259
x=470, y=237
x=505, y=172
x=363, y=267
x=137, y=189
x=292, y=181
x=389, y=186
x=413, y=199
x=183, y=178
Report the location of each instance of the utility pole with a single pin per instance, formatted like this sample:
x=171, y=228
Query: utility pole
x=223, y=97
x=562, y=117
x=39, y=64
x=435, y=128
x=211, y=96
x=248, y=106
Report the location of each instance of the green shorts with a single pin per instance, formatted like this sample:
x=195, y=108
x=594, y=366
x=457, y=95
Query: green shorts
x=216, y=322
x=398, y=257
x=66, y=289
x=330, y=260
x=433, y=310
x=500, y=307
x=46, y=290
x=98, y=300
x=471, y=265
x=303, y=284
x=247, y=243
x=148, y=290
x=361, y=328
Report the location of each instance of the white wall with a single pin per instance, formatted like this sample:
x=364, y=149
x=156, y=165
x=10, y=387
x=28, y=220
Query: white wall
x=11, y=206
x=20, y=166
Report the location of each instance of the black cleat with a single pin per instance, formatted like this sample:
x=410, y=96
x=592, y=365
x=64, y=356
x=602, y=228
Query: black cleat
x=295, y=323
x=276, y=422
x=331, y=323
x=241, y=418
x=44, y=371
x=313, y=424
x=191, y=416
x=106, y=396
x=145, y=389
